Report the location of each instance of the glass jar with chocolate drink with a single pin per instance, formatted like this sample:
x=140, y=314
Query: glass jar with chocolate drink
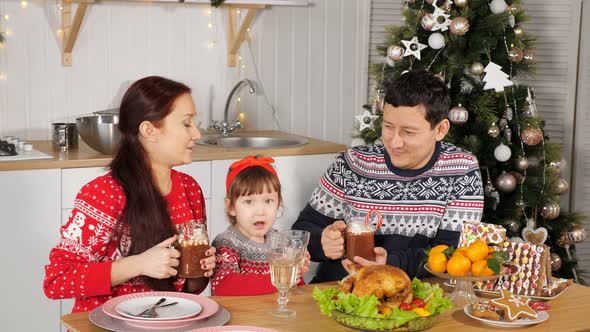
x=193, y=242
x=359, y=239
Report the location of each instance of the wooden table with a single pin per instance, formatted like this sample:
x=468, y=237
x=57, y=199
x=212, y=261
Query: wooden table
x=568, y=313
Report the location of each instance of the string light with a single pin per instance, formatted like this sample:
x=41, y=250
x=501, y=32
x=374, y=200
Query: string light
x=211, y=44
x=239, y=99
x=59, y=32
x=243, y=66
x=207, y=12
x=7, y=17
x=3, y=77
x=238, y=11
x=8, y=32
x=24, y=4
x=210, y=25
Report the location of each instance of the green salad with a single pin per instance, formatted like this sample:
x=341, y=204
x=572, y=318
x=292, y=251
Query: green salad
x=433, y=303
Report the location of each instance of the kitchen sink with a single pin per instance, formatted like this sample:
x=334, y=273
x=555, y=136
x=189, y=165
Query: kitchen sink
x=252, y=142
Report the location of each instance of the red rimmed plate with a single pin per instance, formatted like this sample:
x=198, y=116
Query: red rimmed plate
x=209, y=306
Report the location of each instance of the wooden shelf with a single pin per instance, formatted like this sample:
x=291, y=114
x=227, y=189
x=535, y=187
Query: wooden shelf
x=236, y=35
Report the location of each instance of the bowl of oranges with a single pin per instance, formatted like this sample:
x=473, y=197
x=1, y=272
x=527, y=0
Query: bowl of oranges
x=476, y=262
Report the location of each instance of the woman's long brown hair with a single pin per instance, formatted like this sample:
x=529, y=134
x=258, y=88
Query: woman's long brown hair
x=145, y=214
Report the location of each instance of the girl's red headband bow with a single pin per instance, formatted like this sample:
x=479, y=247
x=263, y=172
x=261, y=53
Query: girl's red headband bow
x=249, y=161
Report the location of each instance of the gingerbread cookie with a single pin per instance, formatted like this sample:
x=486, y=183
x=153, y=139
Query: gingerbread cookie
x=514, y=306
x=555, y=287
x=490, y=233
x=485, y=310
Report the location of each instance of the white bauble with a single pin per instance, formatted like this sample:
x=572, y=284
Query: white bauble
x=389, y=62
x=436, y=41
x=357, y=141
x=498, y=6
x=502, y=152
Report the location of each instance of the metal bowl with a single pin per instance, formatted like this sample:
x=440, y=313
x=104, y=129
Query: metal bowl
x=100, y=132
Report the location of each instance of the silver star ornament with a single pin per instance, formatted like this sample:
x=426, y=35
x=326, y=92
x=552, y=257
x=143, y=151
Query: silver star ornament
x=415, y=50
x=438, y=13
x=366, y=120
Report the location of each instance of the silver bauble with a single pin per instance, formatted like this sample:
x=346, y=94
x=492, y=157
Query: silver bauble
x=511, y=21
x=505, y=183
x=395, y=52
x=550, y=209
x=476, y=68
x=515, y=55
x=460, y=3
x=577, y=234
x=502, y=152
x=528, y=56
x=436, y=41
x=522, y=163
x=562, y=186
x=518, y=31
x=512, y=225
x=508, y=134
x=458, y=114
x=555, y=262
x=494, y=131
x=459, y=26
x=498, y=6
x=428, y=22
x=508, y=113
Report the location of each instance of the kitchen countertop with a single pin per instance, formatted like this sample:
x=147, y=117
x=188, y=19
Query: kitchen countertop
x=85, y=156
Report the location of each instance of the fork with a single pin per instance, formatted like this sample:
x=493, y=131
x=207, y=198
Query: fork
x=151, y=312
x=145, y=314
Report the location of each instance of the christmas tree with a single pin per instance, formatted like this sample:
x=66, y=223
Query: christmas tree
x=480, y=50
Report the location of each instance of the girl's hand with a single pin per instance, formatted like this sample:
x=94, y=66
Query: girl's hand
x=159, y=261
x=208, y=263
x=306, y=260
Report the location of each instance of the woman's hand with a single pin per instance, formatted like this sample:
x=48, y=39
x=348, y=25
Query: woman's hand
x=208, y=264
x=380, y=259
x=159, y=261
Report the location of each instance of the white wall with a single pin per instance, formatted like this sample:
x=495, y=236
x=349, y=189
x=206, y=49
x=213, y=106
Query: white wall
x=311, y=61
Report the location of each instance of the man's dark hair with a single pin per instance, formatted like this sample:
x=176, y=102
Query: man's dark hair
x=420, y=87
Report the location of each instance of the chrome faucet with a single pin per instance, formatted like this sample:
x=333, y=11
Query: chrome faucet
x=225, y=128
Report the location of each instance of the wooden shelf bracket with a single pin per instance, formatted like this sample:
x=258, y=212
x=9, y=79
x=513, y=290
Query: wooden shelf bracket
x=235, y=35
x=71, y=28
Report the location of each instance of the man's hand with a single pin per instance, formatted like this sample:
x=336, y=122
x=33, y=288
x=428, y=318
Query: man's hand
x=333, y=241
x=380, y=259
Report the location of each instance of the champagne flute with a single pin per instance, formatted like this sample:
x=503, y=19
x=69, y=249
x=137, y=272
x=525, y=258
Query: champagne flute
x=296, y=239
x=283, y=273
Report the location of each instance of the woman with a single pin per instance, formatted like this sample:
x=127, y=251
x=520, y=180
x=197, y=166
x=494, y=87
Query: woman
x=118, y=236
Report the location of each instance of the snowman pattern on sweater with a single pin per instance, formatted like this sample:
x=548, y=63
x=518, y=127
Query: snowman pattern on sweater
x=80, y=264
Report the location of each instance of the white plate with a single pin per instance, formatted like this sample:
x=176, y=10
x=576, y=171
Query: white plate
x=185, y=308
x=541, y=317
x=497, y=293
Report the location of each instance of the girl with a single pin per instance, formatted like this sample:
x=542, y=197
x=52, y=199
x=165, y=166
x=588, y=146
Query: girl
x=253, y=198
x=116, y=241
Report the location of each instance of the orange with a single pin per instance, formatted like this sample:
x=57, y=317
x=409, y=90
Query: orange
x=481, y=269
x=458, y=265
x=476, y=251
x=461, y=251
x=437, y=262
x=438, y=248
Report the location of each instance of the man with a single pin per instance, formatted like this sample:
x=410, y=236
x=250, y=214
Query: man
x=424, y=188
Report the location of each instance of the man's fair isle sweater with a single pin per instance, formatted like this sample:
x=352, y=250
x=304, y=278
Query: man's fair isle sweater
x=420, y=208
x=80, y=265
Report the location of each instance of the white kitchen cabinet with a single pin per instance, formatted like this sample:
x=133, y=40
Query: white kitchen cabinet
x=200, y=171
x=31, y=211
x=72, y=181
